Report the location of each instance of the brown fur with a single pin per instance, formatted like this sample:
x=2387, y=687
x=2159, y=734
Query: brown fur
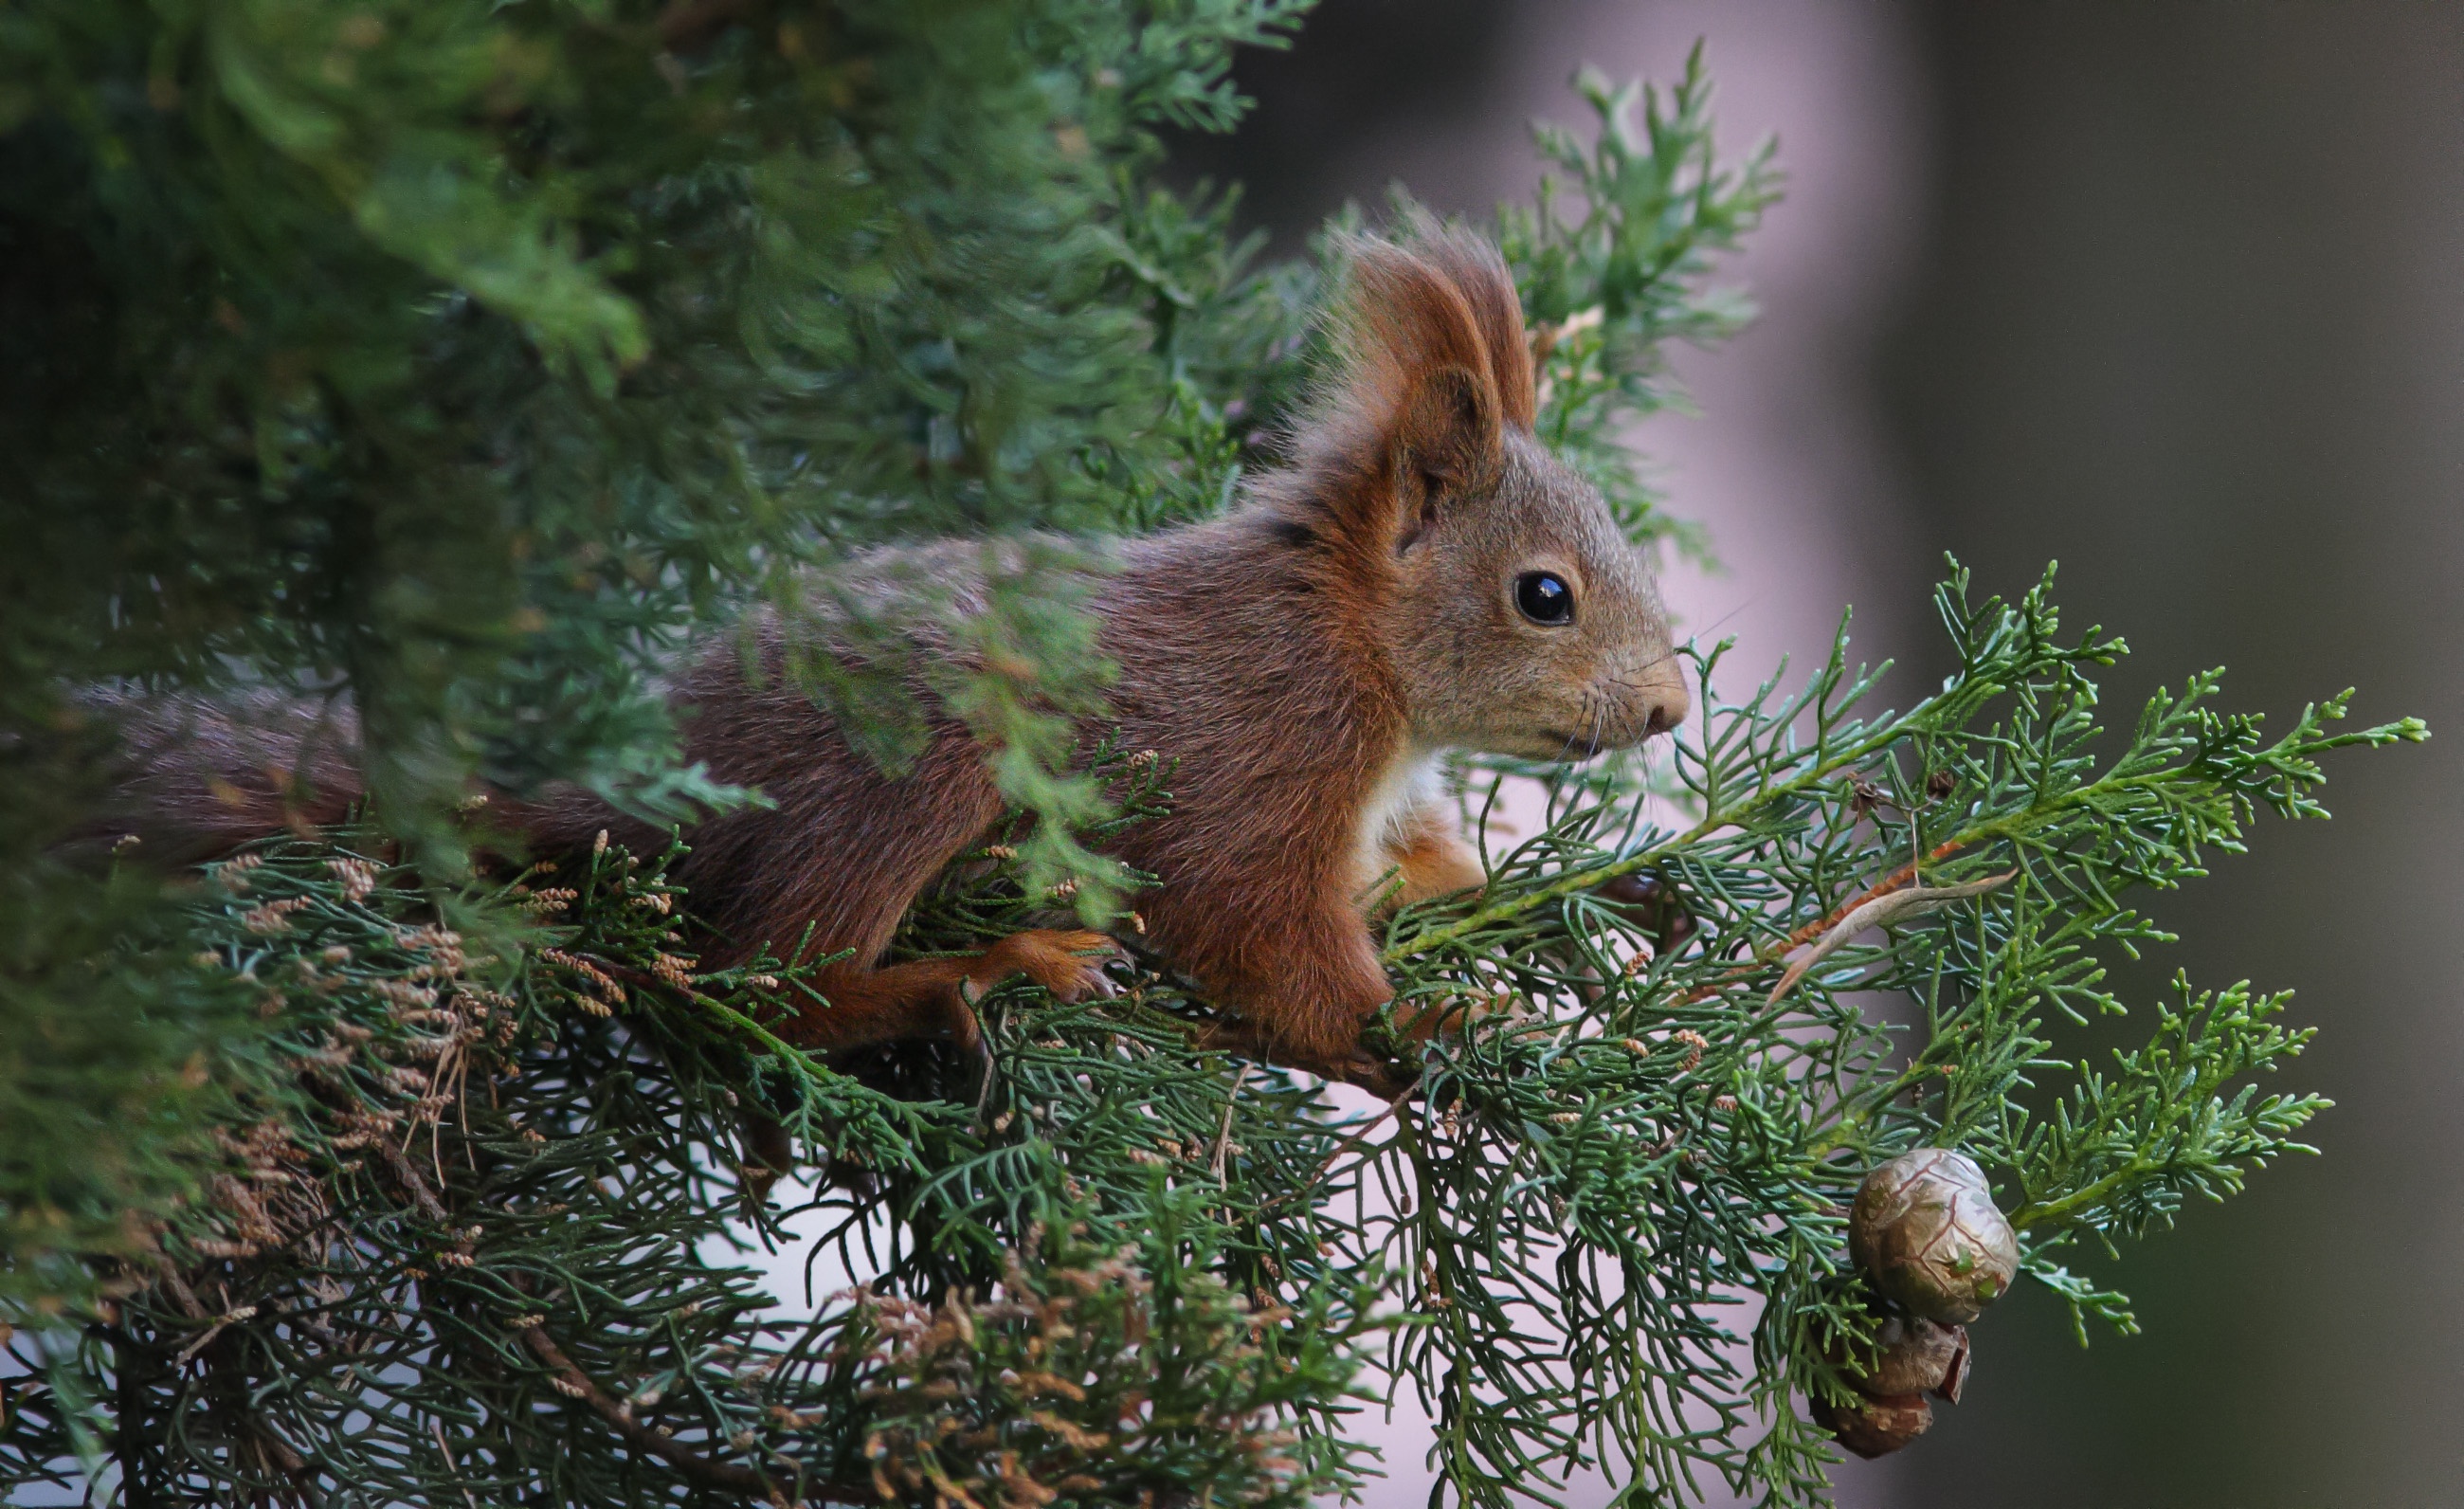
x=198, y=779
x=1302, y=660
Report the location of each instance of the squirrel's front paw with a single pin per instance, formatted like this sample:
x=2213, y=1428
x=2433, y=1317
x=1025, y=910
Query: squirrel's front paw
x=1377, y=1073
x=1070, y=964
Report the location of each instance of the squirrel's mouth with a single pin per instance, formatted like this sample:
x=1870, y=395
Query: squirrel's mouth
x=1563, y=746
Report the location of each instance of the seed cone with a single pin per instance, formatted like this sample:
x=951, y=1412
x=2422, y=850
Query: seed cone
x=1876, y=1426
x=1914, y=1358
x=1917, y=1357
x=1926, y=1229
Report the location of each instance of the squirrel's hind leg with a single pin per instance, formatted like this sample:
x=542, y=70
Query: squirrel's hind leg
x=834, y=865
x=934, y=998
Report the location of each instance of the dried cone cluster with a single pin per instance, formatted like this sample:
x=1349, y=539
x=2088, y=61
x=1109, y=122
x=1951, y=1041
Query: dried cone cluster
x=1927, y=1232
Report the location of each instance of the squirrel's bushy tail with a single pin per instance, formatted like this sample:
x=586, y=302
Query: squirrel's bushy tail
x=198, y=777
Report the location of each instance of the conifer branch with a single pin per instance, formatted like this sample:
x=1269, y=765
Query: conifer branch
x=418, y=1158
x=575, y=1384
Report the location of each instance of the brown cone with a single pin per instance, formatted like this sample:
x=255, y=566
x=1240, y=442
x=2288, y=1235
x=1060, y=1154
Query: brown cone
x=1915, y=1357
x=1874, y=1428
x=1926, y=1229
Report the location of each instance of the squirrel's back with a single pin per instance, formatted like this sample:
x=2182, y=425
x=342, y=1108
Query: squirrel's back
x=1422, y=575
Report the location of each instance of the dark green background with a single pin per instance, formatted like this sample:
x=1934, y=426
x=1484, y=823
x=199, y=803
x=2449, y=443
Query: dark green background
x=2191, y=318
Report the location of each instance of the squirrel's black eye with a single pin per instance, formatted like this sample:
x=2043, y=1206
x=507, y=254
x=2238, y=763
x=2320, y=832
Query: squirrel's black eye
x=1544, y=597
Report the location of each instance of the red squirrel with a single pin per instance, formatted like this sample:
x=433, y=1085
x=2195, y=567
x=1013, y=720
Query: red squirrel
x=1422, y=576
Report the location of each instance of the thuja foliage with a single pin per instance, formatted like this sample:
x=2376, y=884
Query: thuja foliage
x=472, y=1232
x=463, y=359
x=464, y=1244
x=456, y=360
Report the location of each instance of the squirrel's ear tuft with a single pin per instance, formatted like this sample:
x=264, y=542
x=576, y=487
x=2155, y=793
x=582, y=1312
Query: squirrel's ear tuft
x=1434, y=367
x=1479, y=273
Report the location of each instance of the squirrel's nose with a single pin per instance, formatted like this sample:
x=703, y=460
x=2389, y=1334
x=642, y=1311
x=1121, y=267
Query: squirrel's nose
x=1666, y=714
x=1660, y=697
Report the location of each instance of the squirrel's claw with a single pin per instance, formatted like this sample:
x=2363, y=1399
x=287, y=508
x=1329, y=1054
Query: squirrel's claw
x=1070, y=964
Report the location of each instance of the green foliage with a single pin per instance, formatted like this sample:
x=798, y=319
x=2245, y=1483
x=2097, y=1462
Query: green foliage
x=466, y=359
x=472, y=1225
x=1179, y=1379
x=1601, y=1179
x=105, y=1115
x=467, y=1229
x=1609, y=286
x=473, y=353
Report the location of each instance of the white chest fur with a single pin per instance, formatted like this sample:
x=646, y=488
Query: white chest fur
x=1404, y=787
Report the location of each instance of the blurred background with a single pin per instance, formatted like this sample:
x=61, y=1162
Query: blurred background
x=2173, y=294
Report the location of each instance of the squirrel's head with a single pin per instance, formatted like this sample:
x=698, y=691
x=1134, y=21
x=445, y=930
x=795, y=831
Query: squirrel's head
x=1516, y=615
